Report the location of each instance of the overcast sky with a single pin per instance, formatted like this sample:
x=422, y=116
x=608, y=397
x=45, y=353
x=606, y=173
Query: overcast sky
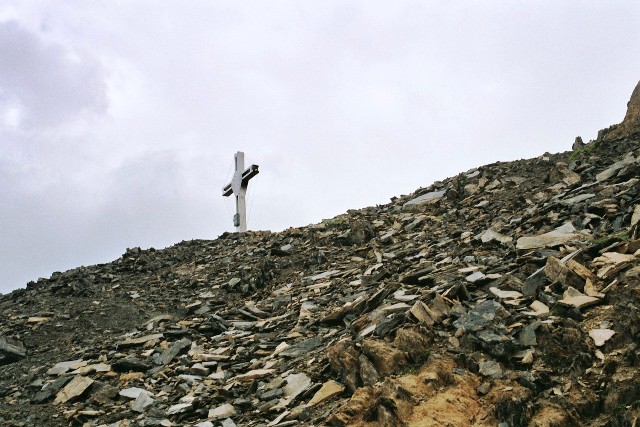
x=119, y=119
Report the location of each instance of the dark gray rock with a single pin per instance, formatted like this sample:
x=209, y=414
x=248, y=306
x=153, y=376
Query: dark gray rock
x=11, y=350
x=480, y=316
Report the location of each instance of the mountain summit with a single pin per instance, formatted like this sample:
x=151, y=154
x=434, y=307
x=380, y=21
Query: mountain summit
x=507, y=295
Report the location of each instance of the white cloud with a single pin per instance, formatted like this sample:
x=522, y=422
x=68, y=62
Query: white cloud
x=46, y=83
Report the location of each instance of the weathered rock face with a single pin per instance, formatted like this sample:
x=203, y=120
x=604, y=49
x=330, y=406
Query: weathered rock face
x=507, y=295
x=630, y=126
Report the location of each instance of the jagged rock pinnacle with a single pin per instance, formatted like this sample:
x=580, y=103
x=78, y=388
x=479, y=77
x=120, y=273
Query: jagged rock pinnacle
x=630, y=126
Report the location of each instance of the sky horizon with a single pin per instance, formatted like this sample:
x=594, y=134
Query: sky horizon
x=119, y=121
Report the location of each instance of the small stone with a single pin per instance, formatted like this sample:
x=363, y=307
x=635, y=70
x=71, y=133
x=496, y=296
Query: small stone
x=143, y=400
x=601, y=336
x=505, y=294
x=635, y=217
x=178, y=347
x=386, y=358
x=63, y=367
x=302, y=347
x=50, y=389
x=430, y=197
x=490, y=368
x=271, y=394
x=491, y=235
x=199, y=369
x=475, y=277
x=223, y=411
x=480, y=316
x=254, y=374
x=296, y=384
x=484, y=388
x=368, y=373
x=36, y=319
x=421, y=312
x=557, y=272
x=613, y=169
x=539, y=308
x=577, y=199
x=557, y=237
x=527, y=336
x=130, y=342
x=574, y=298
x=133, y=392
x=131, y=364
x=179, y=408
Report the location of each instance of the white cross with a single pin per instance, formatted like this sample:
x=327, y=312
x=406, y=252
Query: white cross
x=238, y=186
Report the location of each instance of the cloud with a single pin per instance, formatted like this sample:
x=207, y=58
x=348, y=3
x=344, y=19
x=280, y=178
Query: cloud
x=44, y=85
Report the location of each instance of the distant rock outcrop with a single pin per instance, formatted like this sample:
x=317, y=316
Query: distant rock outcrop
x=630, y=126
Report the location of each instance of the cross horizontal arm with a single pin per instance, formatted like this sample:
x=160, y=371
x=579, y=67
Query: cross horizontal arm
x=249, y=173
x=227, y=191
x=246, y=176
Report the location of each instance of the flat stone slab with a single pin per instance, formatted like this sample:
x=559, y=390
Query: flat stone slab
x=75, y=388
x=574, y=298
x=324, y=275
x=490, y=368
x=11, y=349
x=63, y=367
x=491, y=235
x=635, y=218
x=254, y=374
x=539, y=308
x=425, y=198
x=475, y=277
x=505, y=294
x=577, y=199
x=223, y=411
x=175, y=349
x=557, y=237
x=133, y=392
x=480, y=316
x=421, y=312
x=130, y=342
x=614, y=168
x=296, y=384
x=328, y=390
x=97, y=367
x=142, y=401
x=601, y=336
x=178, y=408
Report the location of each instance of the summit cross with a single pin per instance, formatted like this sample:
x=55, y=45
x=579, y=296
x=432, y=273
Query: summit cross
x=238, y=186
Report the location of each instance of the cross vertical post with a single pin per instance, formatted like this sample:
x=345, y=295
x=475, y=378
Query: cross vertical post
x=238, y=186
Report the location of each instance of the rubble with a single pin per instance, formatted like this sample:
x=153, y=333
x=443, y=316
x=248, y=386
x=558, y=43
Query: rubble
x=506, y=295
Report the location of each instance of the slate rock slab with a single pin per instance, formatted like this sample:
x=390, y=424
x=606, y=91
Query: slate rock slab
x=11, y=350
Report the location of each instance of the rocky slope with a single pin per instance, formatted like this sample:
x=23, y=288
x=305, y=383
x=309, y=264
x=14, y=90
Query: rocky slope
x=507, y=295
